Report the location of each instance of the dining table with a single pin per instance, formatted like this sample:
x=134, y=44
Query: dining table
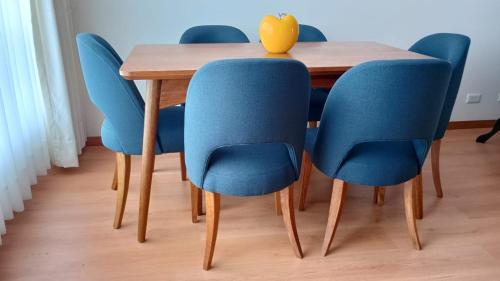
x=168, y=69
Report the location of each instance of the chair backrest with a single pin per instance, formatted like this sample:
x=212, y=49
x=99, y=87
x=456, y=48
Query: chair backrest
x=245, y=102
x=454, y=49
x=118, y=99
x=308, y=33
x=397, y=100
x=213, y=34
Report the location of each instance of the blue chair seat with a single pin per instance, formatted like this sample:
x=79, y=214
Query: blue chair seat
x=249, y=170
x=171, y=129
x=375, y=163
x=380, y=163
x=317, y=103
x=311, y=135
x=109, y=137
x=170, y=133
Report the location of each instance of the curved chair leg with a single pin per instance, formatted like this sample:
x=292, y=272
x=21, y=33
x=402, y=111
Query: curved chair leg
x=114, y=184
x=195, y=204
x=123, y=177
x=183, y=166
x=277, y=203
x=436, y=175
x=306, y=174
x=200, y=203
x=289, y=219
x=419, y=197
x=379, y=195
x=336, y=204
x=213, y=210
x=409, y=200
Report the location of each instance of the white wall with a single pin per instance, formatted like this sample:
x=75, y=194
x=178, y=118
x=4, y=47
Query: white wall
x=125, y=23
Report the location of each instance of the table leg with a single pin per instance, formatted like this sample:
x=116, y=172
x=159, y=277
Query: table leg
x=148, y=154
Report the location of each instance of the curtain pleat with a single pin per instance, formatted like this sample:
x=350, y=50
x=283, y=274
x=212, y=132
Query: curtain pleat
x=36, y=118
x=74, y=77
x=62, y=142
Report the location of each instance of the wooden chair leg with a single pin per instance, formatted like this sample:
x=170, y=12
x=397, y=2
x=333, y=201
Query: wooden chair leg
x=436, y=175
x=195, y=204
x=313, y=124
x=419, y=200
x=277, y=203
x=306, y=175
x=183, y=166
x=212, y=201
x=114, y=184
x=200, y=204
x=379, y=195
x=336, y=204
x=289, y=219
x=409, y=198
x=123, y=178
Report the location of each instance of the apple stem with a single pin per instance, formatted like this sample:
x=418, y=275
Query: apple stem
x=281, y=15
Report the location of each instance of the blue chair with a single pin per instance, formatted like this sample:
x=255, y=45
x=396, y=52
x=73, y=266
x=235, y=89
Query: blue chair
x=244, y=134
x=377, y=127
x=123, y=110
x=209, y=34
x=454, y=49
x=308, y=33
x=205, y=34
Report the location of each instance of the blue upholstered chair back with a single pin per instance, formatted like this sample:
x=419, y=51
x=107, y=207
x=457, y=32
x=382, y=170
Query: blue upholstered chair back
x=244, y=102
x=308, y=33
x=381, y=101
x=118, y=99
x=213, y=34
x=454, y=49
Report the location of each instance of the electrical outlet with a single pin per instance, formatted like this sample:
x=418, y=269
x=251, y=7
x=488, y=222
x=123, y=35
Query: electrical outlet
x=473, y=98
x=498, y=99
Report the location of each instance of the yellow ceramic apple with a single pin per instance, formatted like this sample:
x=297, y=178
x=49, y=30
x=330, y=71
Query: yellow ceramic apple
x=278, y=35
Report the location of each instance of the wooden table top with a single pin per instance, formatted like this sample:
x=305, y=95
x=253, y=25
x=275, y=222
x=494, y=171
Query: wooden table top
x=151, y=62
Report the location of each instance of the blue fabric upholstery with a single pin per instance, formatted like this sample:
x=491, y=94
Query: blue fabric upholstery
x=205, y=34
x=213, y=34
x=379, y=121
x=454, y=49
x=170, y=134
x=120, y=102
x=373, y=163
x=311, y=135
x=245, y=125
x=308, y=33
x=254, y=169
x=379, y=158
x=317, y=103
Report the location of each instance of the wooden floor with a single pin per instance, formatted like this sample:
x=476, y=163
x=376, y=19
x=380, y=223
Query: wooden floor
x=66, y=231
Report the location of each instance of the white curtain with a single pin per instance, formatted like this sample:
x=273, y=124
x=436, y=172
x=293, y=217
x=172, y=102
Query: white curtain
x=62, y=145
x=36, y=122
